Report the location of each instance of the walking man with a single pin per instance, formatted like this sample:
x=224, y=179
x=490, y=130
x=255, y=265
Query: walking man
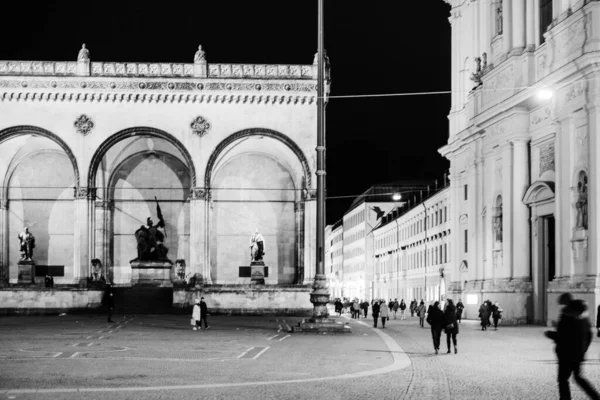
x=459, y=310
x=375, y=312
x=435, y=318
x=395, y=307
x=496, y=314
x=572, y=337
x=402, y=309
x=450, y=324
x=421, y=314
x=203, y=313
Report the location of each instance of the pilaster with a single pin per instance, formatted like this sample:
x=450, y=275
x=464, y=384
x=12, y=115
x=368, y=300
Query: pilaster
x=507, y=211
x=300, y=244
x=518, y=13
x=507, y=29
x=310, y=239
x=198, y=236
x=81, y=256
x=530, y=19
x=594, y=190
x=520, y=214
x=102, y=214
x=4, y=239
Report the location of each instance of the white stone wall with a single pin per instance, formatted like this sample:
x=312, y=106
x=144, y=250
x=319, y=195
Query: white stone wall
x=514, y=148
x=49, y=299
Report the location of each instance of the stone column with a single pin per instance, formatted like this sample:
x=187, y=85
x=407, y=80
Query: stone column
x=102, y=214
x=563, y=198
x=530, y=18
x=454, y=214
x=4, y=240
x=594, y=188
x=198, y=237
x=206, y=272
x=310, y=238
x=81, y=256
x=507, y=30
x=507, y=212
x=536, y=22
x=480, y=234
x=472, y=182
x=299, y=214
x=521, y=231
x=518, y=14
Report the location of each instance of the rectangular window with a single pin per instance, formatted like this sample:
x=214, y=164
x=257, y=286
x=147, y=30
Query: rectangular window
x=466, y=240
x=445, y=214
x=466, y=191
x=545, y=17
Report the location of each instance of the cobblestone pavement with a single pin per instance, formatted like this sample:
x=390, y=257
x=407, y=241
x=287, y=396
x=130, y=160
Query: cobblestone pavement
x=156, y=357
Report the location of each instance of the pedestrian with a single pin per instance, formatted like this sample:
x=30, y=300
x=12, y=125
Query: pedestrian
x=421, y=314
x=413, y=306
x=496, y=314
x=338, y=307
x=203, y=314
x=484, y=316
x=196, y=315
x=402, y=309
x=365, y=307
x=450, y=325
x=488, y=305
x=384, y=313
x=108, y=300
x=459, y=310
x=572, y=337
x=435, y=318
x=395, y=307
x=355, y=309
x=375, y=313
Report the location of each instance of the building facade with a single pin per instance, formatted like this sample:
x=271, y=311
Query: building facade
x=524, y=150
x=413, y=251
x=88, y=150
x=334, y=267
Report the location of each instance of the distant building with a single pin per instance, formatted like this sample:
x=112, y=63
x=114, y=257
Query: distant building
x=334, y=268
x=413, y=250
x=524, y=151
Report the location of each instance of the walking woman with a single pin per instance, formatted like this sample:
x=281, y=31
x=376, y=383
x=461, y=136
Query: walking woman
x=384, y=312
x=451, y=326
x=402, y=309
x=375, y=312
x=435, y=318
x=421, y=314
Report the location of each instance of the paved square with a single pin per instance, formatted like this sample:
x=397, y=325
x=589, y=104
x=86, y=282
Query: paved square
x=148, y=357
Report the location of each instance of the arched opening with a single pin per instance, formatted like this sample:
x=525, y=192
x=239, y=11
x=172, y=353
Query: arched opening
x=137, y=179
x=39, y=174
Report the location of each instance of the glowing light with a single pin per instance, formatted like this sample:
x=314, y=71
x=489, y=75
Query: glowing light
x=545, y=94
x=396, y=196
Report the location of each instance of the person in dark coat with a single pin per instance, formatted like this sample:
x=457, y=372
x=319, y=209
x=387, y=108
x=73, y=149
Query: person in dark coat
x=365, y=307
x=488, y=305
x=450, y=325
x=459, y=310
x=484, y=316
x=375, y=312
x=496, y=314
x=573, y=336
x=338, y=307
x=402, y=309
x=203, y=313
x=435, y=318
x=108, y=301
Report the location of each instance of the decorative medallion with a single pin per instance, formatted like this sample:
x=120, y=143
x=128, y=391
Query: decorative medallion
x=229, y=86
x=287, y=87
x=142, y=85
x=200, y=86
x=200, y=126
x=258, y=86
x=83, y=85
x=24, y=84
x=171, y=85
x=84, y=124
x=53, y=84
x=113, y=85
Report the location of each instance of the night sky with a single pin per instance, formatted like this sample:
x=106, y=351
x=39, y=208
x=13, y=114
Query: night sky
x=375, y=47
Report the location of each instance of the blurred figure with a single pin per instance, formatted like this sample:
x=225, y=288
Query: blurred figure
x=421, y=314
x=402, y=309
x=572, y=337
x=355, y=309
x=375, y=313
x=395, y=307
x=338, y=307
x=496, y=314
x=484, y=316
x=450, y=324
x=413, y=307
x=435, y=318
x=459, y=310
x=365, y=307
x=108, y=300
x=384, y=313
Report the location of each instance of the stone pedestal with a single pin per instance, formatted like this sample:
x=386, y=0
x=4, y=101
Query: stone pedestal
x=26, y=272
x=151, y=272
x=257, y=273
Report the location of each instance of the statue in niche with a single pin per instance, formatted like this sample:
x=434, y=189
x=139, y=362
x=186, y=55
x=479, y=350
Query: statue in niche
x=499, y=19
x=498, y=225
x=582, y=203
x=200, y=56
x=150, y=240
x=26, y=244
x=484, y=61
x=84, y=54
x=257, y=246
x=97, y=271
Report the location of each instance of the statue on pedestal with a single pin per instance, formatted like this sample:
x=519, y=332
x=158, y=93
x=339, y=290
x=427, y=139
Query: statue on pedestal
x=84, y=54
x=498, y=225
x=257, y=246
x=150, y=240
x=26, y=244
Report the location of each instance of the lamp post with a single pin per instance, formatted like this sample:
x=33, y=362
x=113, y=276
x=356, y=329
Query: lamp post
x=320, y=294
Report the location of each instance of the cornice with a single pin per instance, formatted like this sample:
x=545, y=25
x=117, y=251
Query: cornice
x=149, y=91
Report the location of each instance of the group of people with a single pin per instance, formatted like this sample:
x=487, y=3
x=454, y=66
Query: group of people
x=445, y=320
x=487, y=310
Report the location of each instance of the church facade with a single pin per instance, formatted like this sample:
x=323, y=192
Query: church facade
x=524, y=150
x=92, y=151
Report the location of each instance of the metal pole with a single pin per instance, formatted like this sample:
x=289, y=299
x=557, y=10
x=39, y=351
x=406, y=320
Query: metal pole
x=320, y=294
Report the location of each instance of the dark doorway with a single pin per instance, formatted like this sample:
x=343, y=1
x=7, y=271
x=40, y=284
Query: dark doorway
x=549, y=258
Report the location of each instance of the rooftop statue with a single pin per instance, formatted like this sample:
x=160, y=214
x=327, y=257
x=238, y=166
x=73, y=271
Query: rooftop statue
x=84, y=54
x=200, y=56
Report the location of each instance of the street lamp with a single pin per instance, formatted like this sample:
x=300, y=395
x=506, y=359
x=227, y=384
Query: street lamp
x=545, y=94
x=396, y=196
